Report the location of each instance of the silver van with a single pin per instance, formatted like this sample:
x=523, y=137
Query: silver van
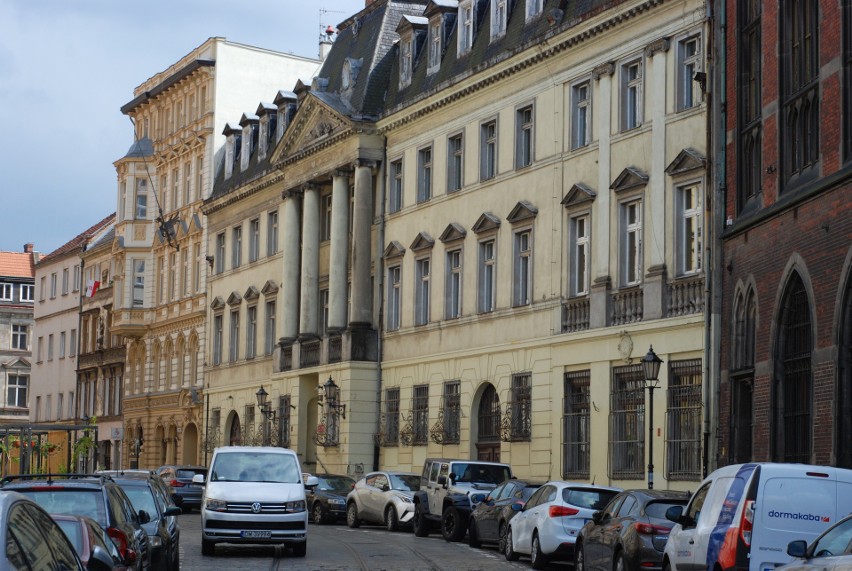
x=254, y=494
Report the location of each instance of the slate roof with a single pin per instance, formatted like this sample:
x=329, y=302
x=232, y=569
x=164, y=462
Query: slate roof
x=140, y=148
x=17, y=265
x=73, y=245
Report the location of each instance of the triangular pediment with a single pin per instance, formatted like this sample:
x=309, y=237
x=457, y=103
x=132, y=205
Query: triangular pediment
x=631, y=177
x=251, y=294
x=578, y=194
x=454, y=231
x=16, y=363
x=393, y=250
x=422, y=241
x=686, y=161
x=217, y=303
x=314, y=123
x=234, y=299
x=485, y=223
x=522, y=211
x=269, y=288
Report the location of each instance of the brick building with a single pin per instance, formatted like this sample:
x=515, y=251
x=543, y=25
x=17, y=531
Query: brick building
x=785, y=132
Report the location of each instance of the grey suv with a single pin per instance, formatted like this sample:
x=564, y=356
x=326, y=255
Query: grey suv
x=449, y=490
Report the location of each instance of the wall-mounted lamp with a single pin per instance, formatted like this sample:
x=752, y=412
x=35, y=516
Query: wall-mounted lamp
x=329, y=395
x=264, y=406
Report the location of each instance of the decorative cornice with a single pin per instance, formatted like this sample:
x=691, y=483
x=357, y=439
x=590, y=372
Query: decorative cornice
x=657, y=46
x=603, y=69
x=248, y=189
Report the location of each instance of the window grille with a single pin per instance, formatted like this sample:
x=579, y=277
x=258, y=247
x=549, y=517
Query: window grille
x=420, y=408
x=683, y=421
x=489, y=416
x=575, y=425
x=447, y=429
x=517, y=422
x=627, y=423
x=391, y=420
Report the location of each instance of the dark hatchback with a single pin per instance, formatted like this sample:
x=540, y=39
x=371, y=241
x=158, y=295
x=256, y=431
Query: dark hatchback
x=96, y=496
x=186, y=493
x=630, y=533
x=158, y=514
x=489, y=521
x=327, y=500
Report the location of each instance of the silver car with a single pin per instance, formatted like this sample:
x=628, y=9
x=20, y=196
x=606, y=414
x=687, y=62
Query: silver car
x=831, y=551
x=383, y=497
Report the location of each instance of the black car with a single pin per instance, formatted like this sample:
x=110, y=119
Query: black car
x=629, y=533
x=96, y=496
x=327, y=500
x=186, y=494
x=489, y=521
x=152, y=499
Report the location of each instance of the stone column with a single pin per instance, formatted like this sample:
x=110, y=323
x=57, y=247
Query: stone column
x=654, y=295
x=339, y=256
x=361, y=314
x=291, y=253
x=310, y=262
x=599, y=302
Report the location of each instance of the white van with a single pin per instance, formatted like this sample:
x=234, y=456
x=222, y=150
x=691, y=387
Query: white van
x=254, y=494
x=743, y=516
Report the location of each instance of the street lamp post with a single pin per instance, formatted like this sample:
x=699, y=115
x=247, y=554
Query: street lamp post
x=651, y=366
x=266, y=410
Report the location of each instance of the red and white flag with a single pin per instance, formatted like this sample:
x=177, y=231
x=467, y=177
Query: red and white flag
x=92, y=288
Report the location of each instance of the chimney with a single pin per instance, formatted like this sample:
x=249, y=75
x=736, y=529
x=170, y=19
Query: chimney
x=28, y=248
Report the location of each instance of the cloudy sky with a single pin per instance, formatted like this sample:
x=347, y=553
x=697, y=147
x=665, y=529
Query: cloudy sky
x=67, y=66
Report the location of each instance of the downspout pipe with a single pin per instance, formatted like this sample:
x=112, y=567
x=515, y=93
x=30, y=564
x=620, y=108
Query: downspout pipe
x=380, y=281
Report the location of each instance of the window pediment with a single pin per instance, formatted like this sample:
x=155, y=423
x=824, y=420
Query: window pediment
x=234, y=299
x=422, y=241
x=251, y=294
x=686, y=161
x=454, y=231
x=393, y=250
x=523, y=210
x=578, y=194
x=486, y=222
x=269, y=288
x=631, y=177
x=217, y=303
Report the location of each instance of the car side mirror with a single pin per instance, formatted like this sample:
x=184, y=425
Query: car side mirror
x=144, y=517
x=517, y=507
x=798, y=548
x=173, y=510
x=598, y=517
x=312, y=482
x=385, y=487
x=100, y=560
x=198, y=479
x=674, y=513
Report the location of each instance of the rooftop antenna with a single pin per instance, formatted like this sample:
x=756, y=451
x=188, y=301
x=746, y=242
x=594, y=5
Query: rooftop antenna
x=327, y=30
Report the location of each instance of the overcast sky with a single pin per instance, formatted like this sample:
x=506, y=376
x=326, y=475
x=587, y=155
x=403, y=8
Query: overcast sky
x=67, y=66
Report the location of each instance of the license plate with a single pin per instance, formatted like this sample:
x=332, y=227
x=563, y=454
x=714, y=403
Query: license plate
x=256, y=534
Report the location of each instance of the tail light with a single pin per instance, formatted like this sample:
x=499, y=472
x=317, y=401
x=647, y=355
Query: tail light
x=651, y=529
x=120, y=539
x=747, y=522
x=176, y=484
x=560, y=511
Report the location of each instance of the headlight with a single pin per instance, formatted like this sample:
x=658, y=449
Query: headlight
x=294, y=507
x=336, y=501
x=216, y=505
x=156, y=541
x=477, y=498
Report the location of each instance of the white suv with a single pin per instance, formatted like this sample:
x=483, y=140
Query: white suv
x=254, y=494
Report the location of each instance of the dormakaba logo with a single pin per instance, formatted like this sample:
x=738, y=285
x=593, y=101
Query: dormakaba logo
x=799, y=516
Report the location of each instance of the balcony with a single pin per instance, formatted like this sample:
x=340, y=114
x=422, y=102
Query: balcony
x=627, y=306
x=686, y=296
x=575, y=315
x=353, y=345
x=130, y=322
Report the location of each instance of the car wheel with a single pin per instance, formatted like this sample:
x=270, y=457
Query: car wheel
x=317, y=513
x=667, y=566
x=472, y=537
x=501, y=538
x=352, y=516
x=421, y=526
x=579, y=557
x=537, y=558
x=509, y=552
x=300, y=549
x=452, y=525
x=391, y=519
x=618, y=563
x=207, y=547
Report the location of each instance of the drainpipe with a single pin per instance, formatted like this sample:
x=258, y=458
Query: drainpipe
x=78, y=348
x=380, y=281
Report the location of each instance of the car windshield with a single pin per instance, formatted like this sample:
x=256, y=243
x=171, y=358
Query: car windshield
x=528, y=491
x=587, y=498
x=142, y=498
x=73, y=531
x=335, y=483
x=658, y=509
x=187, y=473
x=73, y=501
x=481, y=473
x=405, y=483
x=255, y=467
x=836, y=541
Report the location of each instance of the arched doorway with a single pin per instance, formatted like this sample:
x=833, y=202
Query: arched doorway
x=190, y=444
x=486, y=425
x=235, y=434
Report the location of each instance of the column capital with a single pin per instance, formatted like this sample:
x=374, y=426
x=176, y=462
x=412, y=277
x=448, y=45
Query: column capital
x=291, y=193
x=370, y=164
x=657, y=47
x=345, y=171
x=310, y=186
x=603, y=69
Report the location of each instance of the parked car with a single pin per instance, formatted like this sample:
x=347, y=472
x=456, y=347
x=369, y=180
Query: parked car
x=33, y=540
x=385, y=497
x=630, y=533
x=546, y=527
x=745, y=515
x=151, y=498
x=186, y=493
x=254, y=494
x=85, y=535
x=831, y=551
x=450, y=490
x=327, y=500
x=490, y=520
x=96, y=496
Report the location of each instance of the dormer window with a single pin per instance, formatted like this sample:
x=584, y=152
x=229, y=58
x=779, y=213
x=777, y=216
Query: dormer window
x=466, y=30
x=246, y=150
x=263, y=137
x=406, y=53
x=499, y=16
x=434, y=46
x=534, y=8
x=282, y=122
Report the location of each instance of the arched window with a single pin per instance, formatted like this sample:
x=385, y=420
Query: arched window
x=742, y=377
x=793, y=377
x=489, y=415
